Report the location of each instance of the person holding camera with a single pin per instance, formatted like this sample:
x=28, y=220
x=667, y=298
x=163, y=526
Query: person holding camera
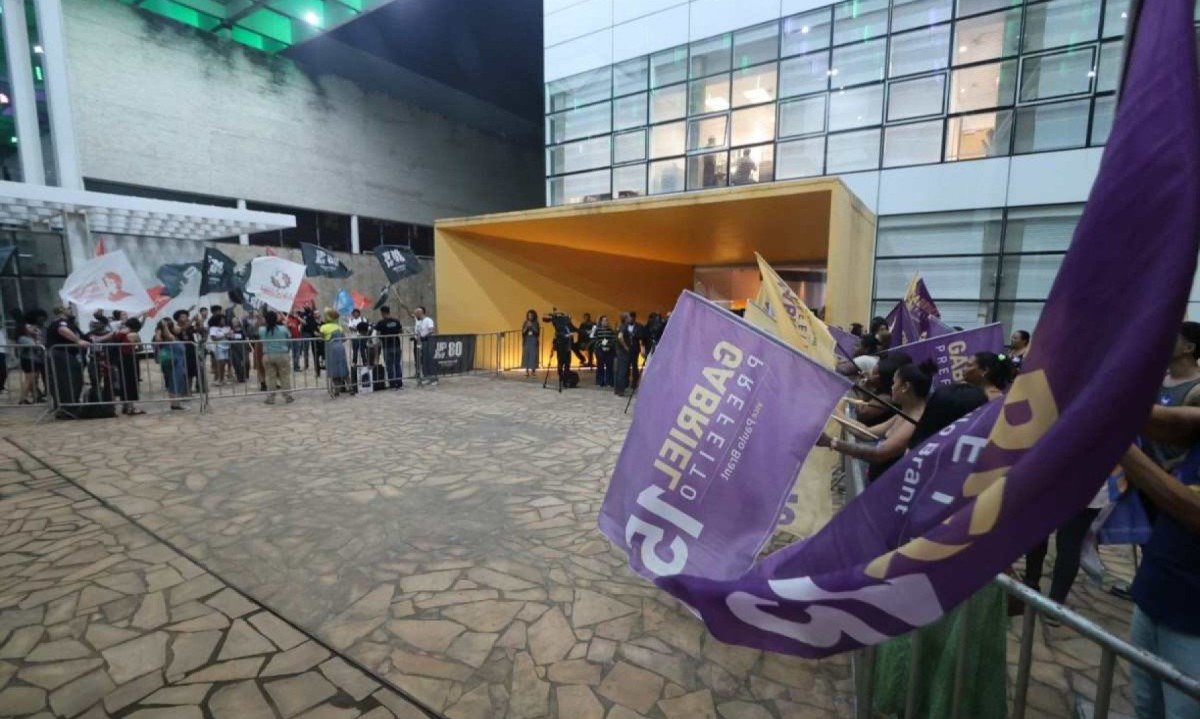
x=563, y=330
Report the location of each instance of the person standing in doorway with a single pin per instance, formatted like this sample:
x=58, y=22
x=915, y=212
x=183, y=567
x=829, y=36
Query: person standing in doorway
x=424, y=330
x=389, y=330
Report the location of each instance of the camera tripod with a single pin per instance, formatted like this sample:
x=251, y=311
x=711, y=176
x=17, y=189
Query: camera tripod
x=554, y=350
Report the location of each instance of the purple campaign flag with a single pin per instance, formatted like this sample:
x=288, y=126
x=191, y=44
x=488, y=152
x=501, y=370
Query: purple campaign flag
x=847, y=344
x=951, y=352
x=916, y=317
x=958, y=509
x=723, y=422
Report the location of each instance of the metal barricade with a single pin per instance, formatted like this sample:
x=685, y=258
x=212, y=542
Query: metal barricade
x=98, y=380
x=22, y=375
x=244, y=368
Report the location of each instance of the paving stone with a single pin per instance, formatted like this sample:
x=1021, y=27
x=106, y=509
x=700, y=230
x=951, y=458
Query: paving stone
x=620, y=712
x=194, y=588
x=578, y=702
x=240, y=701
x=212, y=620
x=74, y=697
x=432, y=635
x=348, y=679
x=530, y=695
x=404, y=709
x=187, y=694
x=242, y=641
x=152, y=612
x=53, y=676
x=593, y=608
x=21, y=642
x=743, y=710
x=697, y=705
x=168, y=713
x=673, y=667
x=58, y=651
x=295, y=694
x=328, y=711
x=498, y=580
x=11, y=619
x=550, y=638
x=631, y=687
x=22, y=700
x=514, y=637
x=574, y=671
x=296, y=660
x=472, y=648
x=429, y=582
x=278, y=631
x=484, y=616
x=136, y=657
x=133, y=691
x=61, y=609
x=476, y=704
x=410, y=663
x=94, y=596
x=231, y=603
x=191, y=651
x=226, y=671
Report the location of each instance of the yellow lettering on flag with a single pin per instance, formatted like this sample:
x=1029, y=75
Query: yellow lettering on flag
x=795, y=323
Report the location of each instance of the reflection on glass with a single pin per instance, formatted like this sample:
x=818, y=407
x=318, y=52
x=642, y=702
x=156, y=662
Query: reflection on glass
x=987, y=36
x=859, y=20
x=755, y=45
x=668, y=67
x=802, y=117
x=1061, y=22
x=1060, y=126
x=578, y=90
x=1041, y=229
x=752, y=164
x=666, y=176
x=852, y=151
x=576, y=156
x=969, y=232
x=972, y=137
x=1028, y=277
x=1116, y=15
x=710, y=56
x=855, y=108
x=753, y=125
x=754, y=85
x=667, y=139
x=908, y=14
x=668, y=103
x=1058, y=74
x=585, y=187
x=629, y=146
x=919, y=51
x=962, y=276
x=629, y=111
x=709, y=170
x=630, y=76
x=590, y=120
x=801, y=158
x=708, y=95
x=859, y=63
x=975, y=7
x=1109, y=70
x=916, y=144
x=805, y=33
x=983, y=86
x=804, y=74
x=916, y=98
x=1102, y=119
x=629, y=181
x=707, y=133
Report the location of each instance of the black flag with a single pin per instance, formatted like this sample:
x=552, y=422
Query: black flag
x=217, y=272
x=381, y=300
x=322, y=262
x=397, y=262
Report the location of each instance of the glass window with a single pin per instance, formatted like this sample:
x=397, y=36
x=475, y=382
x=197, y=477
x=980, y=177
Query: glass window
x=964, y=277
x=752, y=164
x=852, y=151
x=801, y=158
x=1116, y=14
x=1028, y=277
x=1060, y=22
x=666, y=176
x=629, y=111
x=576, y=156
x=802, y=117
x=859, y=20
x=972, y=232
x=755, y=45
x=983, y=86
x=577, y=90
x=1058, y=74
x=629, y=181
x=915, y=144
x=972, y=137
x=907, y=14
x=667, y=139
x=1102, y=119
x=855, y=108
x=753, y=125
x=1041, y=229
x=707, y=133
x=754, y=85
x=711, y=170
x=1051, y=127
x=804, y=74
x=711, y=56
x=631, y=76
x=1109, y=69
x=916, y=98
x=668, y=103
x=975, y=7
x=708, y=95
x=856, y=64
x=987, y=36
x=920, y=51
x=629, y=146
x=587, y=187
x=1021, y=315
x=668, y=67
x=584, y=122
x=805, y=33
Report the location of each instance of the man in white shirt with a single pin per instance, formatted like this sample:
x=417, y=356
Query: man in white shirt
x=424, y=330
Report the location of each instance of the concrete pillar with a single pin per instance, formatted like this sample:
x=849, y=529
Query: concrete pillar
x=354, y=246
x=58, y=94
x=79, y=244
x=24, y=99
x=243, y=239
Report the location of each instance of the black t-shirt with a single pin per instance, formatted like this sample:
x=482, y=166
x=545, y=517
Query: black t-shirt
x=585, y=331
x=53, y=337
x=390, y=329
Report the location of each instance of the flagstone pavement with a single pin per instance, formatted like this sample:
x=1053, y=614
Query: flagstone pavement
x=252, y=561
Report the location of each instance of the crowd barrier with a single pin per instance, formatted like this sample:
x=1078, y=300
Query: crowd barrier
x=22, y=375
x=102, y=379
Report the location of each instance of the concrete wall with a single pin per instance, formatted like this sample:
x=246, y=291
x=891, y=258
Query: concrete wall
x=163, y=106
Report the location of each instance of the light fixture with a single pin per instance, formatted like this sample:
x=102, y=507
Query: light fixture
x=37, y=50
x=312, y=18
x=715, y=103
x=804, y=29
x=757, y=94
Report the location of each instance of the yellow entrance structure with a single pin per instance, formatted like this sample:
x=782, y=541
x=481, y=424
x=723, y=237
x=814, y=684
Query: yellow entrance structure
x=639, y=254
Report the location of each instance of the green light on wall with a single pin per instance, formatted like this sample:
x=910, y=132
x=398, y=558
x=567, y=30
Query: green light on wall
x=13, y=139
x=37, y=73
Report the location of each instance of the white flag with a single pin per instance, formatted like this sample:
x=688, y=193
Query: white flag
x=106, y=282
x=275, y=281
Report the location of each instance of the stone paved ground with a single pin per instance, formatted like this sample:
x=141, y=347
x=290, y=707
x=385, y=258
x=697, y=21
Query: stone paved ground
x=445, y=539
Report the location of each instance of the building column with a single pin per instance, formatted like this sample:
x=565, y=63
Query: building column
x=354, y=246
x=58, y=95
x=24, y=99
x=243, y=239
x=79, y=245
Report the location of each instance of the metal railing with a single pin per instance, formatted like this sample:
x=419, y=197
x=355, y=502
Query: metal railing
x=22, y=375
x=1111, y=647
x=82, y=380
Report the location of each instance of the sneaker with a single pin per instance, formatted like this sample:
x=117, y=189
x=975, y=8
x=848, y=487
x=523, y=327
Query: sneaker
x=288, y=398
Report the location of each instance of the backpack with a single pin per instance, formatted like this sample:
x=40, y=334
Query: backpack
x=570, y=379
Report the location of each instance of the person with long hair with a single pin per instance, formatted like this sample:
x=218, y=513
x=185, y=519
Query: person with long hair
x=32, y=357
x=990, y=372
x=531, y=334
x=276, y=356
x=879, y=380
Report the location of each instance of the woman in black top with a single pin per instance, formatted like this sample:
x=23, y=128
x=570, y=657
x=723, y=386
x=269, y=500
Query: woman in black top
x=604, y=341
x=531, y=333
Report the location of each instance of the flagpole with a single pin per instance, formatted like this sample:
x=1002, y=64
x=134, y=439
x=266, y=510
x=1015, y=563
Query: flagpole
x=869, y=393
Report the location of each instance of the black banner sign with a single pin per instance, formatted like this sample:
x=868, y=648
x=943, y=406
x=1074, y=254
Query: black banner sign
x=453, y=354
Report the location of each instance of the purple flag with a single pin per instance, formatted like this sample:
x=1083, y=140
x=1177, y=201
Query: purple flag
x=847, y=344
x=916, y=317
x=961, y=507
x=952, y=351
x=724, y=420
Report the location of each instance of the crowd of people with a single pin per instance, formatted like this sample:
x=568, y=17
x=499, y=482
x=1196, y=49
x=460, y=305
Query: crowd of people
x=617, y=353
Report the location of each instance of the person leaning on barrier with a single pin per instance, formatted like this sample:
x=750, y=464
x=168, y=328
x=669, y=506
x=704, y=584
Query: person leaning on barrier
x=64, y=342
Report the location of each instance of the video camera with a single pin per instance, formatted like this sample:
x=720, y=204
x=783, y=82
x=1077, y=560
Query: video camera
x=561, y=321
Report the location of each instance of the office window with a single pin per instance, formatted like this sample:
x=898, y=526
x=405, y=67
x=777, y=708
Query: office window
x=919, y=51
x=1060, y=22
x=631, y=76
x=1116, y=15
x=576, y=156
x=801, y=158
x=710, y=56
x=975, y=7
x=802, y=117
x=1019, y=315
x=859, y=20
x=914, y=144
x=955, y=278
x=908, y=14
x=855, y=108
x=1057, y=74
x=1060, y=126
x=804, y=74
x=753, y=125
x=973, y=232
x=584, y=122
x=1028, y=277
x=983, y=86
x=916, y=98
x=1041, y=229
x=667, y=139
x=859, y=63
x=754, y=85
x=578, y=90
x=580, y=188
x=751, y=165
x=704, y=171
x=987, y=37
x=629, y=181
x=755, y=45
x=1102, y=119
x=629, y=111
x=708, y=95
x=707, y=133
x=972, y=137
x=668, y=67
x=1109, y=67
x=805, y=33
x=666, y=176
x=629, y=146
x=668, y=103
x=852, y=151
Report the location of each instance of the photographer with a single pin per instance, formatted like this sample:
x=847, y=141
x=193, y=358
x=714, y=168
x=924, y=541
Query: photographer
x=563, y=329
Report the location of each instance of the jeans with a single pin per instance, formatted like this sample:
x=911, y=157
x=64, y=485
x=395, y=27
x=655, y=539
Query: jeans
x=1068, y=541
x=298, y=351
x=393, y=364
x=621, y=376
x=604, y=368
x=429, y=369
x=1152, y=698
x=358, y=350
